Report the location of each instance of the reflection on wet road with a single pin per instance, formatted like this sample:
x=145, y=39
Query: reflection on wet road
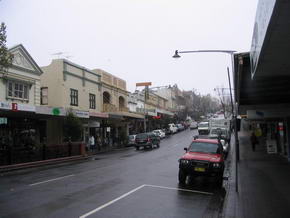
x=125, y=183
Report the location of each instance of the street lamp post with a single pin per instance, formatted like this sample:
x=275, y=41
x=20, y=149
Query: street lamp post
x=234, y=113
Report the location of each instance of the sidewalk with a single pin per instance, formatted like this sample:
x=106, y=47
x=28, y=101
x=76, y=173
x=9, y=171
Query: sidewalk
x=88, y=155
x=263, y=182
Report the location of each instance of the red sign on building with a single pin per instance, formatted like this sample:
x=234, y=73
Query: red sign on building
x=14, y=107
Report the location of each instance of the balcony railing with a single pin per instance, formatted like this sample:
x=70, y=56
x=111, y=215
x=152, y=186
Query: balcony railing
x=124, y=109
x=112, y=108
x=109, y=108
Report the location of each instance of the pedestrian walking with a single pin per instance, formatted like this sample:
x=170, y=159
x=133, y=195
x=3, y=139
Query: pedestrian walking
x=254, y=141
x=92, y=143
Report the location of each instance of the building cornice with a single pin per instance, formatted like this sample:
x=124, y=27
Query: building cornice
x=81, y=77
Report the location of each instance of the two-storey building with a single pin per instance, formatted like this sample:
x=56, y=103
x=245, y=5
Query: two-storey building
x=115, y=104
x=154, y=107
x=19, y=96
x=66, y=86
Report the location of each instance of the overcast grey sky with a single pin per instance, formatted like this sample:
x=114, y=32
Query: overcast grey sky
x=135, y=39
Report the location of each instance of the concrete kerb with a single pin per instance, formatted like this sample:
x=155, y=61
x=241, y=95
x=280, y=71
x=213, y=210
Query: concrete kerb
x=21, y=166
x=230, y=201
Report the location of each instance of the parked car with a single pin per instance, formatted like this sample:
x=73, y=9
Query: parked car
x=203, y=157
x=172, y=128
x=131, y=140
x=180, y=127
x=145, y=140
x=160, y=133
x=203, y=128
x=193, y=125
x=167, y=132
x=223, y=135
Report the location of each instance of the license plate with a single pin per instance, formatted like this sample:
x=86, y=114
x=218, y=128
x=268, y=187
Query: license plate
x=199, y=169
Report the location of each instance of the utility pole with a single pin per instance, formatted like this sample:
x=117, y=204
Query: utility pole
x=146, y=96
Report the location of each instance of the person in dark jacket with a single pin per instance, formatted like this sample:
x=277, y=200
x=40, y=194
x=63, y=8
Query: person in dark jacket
x=254, y=141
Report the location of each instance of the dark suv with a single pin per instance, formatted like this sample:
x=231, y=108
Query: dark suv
x=145, y=140
x=204, y=157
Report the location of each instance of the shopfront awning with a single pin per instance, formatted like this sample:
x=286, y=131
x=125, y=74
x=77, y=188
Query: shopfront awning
x=161, y=111
x=120, y=115
x=99, y=114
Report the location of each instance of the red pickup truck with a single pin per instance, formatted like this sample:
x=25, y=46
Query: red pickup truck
x=203, y=157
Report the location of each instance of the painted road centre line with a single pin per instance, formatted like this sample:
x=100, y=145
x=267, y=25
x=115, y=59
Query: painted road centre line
x=136, y=189
x=51, y=180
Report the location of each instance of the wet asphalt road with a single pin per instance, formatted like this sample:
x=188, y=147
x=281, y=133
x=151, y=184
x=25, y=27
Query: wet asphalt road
x=121, y=184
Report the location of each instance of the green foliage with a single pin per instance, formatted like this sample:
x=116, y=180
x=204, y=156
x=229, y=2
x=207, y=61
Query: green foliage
x=72, y=127
x=5, y=57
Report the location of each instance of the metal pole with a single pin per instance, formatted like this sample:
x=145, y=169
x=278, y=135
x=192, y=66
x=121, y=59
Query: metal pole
x=237, y=148
x=230, y=91
x=145, y=110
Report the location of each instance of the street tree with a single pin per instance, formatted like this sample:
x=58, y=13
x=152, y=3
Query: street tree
x=224, y=99
x=72, y=127
x=203, y=105
x=5, y=56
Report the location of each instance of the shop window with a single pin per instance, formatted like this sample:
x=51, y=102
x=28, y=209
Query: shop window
x=44, y=95
x=92, y=98
x=74, y=97
x=17, y=90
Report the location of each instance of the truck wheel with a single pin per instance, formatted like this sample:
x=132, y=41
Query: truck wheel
x=158, y=145
x=181, y=176
x=137, y=148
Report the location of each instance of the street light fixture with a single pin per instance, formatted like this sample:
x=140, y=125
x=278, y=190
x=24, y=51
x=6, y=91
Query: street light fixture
x=176, y=53
x=230, y=52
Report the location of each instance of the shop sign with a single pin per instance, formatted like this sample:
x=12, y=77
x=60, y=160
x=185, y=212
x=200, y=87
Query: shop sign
x=115, y=116
x=3, y=120
x=5, y=106
x=271, y=146
x=50, y=111
x=263, y=16
x=94, y=124
x=14, y=107
x=98, y=114
x=152, y=113
x=17, y=107
x=25, y=107
x=81, y=114
x=161, y=111
x=55, y=111
x=281, y=128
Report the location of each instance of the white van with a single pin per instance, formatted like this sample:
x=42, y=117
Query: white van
x=193, y=125
x=172, y=128
x=203, y=128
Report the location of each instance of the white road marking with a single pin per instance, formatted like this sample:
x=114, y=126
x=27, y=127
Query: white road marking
x=51, y=180
x=136, y=189
x=111, y=202
x=180, y=189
